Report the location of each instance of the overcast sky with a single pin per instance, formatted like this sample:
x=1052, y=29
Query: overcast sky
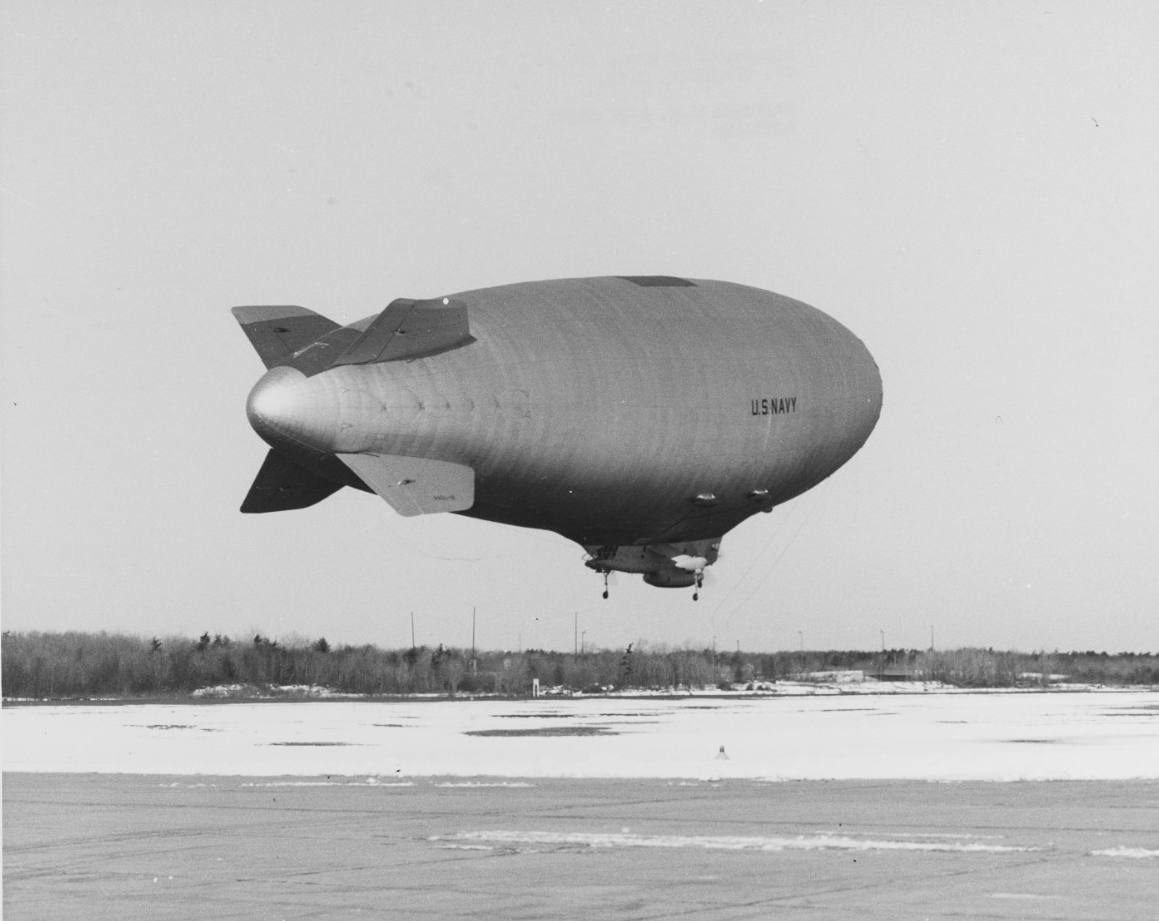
x=970, y=187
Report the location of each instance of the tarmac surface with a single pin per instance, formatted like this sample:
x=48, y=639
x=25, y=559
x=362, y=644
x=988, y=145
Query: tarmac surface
x=127, y=847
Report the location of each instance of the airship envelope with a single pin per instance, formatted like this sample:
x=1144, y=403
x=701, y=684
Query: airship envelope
x=642, y=417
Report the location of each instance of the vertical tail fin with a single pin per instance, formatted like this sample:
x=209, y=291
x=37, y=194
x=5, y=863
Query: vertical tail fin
x=277, y=332
x=282, y=485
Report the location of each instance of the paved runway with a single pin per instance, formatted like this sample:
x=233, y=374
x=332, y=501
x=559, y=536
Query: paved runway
x=157, y=847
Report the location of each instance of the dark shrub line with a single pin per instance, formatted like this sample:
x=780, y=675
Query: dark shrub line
x=39, y=665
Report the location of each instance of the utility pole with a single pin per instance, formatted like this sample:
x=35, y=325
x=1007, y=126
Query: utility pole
x=474, y=661
x=575, y=639
x=931, y=637
x=412, y=629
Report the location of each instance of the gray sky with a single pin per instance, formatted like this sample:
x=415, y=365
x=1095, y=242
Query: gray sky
x=970, y=187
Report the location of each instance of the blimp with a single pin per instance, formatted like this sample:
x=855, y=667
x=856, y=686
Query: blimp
x=642, y=417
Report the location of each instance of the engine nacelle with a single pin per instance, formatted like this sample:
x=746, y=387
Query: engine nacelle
x=670, y=577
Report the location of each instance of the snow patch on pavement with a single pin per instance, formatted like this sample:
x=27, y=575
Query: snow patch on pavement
x=823, y=842
x=1134, y=853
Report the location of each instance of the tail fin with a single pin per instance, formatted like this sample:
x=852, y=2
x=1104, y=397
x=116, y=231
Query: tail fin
x=278, y=332
x=282, y=485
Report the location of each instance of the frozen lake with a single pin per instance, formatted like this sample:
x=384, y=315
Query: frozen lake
x=1078, y=735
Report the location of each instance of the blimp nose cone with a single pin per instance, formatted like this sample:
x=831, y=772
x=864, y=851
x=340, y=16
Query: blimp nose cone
x=285, y=407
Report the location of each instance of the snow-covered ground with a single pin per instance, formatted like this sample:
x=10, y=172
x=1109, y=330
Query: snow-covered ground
x=923, y=736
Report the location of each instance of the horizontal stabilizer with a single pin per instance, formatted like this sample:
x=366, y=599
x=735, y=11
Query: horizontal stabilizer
x=282, y=485
x=415, y=485
x=411, y=329
x=277, y=332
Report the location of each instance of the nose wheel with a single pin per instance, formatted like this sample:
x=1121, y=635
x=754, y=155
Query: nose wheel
x=699, y=586
x=605, y=585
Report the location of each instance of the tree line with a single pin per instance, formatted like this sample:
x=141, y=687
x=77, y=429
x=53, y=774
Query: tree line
x=72, y=664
